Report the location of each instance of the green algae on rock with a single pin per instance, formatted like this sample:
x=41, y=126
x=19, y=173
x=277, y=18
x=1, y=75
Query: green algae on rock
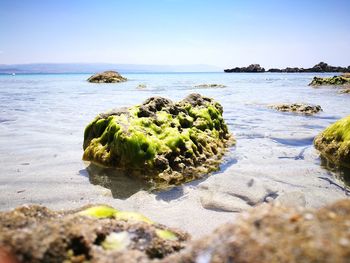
x=164, y=142
x=335, y=80
x=107, y=77
x=334, y=142
x=88, y=234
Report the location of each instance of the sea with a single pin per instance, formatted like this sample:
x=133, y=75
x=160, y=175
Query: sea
x=42, y=121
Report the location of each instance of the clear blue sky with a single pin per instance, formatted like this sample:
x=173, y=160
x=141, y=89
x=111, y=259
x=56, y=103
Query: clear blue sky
x=274, y=33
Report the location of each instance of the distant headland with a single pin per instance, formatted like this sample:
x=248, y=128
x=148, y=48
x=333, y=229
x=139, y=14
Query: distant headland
x=320, y=67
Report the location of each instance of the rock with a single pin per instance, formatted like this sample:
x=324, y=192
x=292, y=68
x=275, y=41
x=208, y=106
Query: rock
x=253, y=68
x=163, y=142
x=206, y=86
x=293, y=70
x=276, y=233
x=320, y=67
x=275, y=70
x=267, y=233
x=306, y=109
x=334, y=142
x=107, y=77
x=141, y=86
x=324, y=67
x=94, y=234
x=335, y=80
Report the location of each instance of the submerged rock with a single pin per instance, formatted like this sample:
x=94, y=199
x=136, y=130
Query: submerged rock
x=207, y=86
x=236, y=194
x=334, y=81
x=276, y=233
x=301, y=108
x=107, y=77
x=94, y=234
x=165, y=143
x=334, y=142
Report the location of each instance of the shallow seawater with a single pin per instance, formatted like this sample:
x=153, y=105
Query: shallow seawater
x=42, y=120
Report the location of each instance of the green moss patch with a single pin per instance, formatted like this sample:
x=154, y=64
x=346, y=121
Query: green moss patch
x=334, y=142
x=166, y=143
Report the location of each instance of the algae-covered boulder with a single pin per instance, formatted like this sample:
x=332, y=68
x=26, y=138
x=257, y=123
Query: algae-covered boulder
x=89, y=234
x=300, y=108
x=332, y=81
x=334, y=142
x=107, y=77
x=276, y=233
x=164, y=142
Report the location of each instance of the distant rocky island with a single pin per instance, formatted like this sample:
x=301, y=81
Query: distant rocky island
x=320, y=67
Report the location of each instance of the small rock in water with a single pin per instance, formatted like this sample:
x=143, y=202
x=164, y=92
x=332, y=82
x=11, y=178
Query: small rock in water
x=301, y=108
x=107, y=77
x=332, y=81
x=207, y=86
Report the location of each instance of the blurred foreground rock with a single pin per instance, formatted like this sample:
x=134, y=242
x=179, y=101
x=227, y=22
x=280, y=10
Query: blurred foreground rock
x=94, y=234
x=274, y=233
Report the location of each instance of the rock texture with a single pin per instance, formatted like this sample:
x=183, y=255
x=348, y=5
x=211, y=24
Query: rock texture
x=165, y=143
x=275, y=233
x=300, y=108
x=334, y=142
x=107, y=77
x=94, y=234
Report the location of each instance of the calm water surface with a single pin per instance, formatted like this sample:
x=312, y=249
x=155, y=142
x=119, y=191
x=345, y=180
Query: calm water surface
x=42, y=119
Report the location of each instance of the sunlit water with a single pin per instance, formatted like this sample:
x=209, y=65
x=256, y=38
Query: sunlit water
x=43, y=117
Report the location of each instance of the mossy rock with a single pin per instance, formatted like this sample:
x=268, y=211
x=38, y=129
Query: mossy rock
x=332, y=81
x=301, y=108
x=334, y=142
x=164, y=142
x=107, y=77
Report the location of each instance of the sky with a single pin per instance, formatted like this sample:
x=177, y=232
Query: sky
x=224, y=33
